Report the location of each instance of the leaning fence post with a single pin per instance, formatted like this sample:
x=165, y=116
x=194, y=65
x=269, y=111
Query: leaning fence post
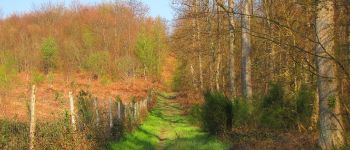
x=72, y=112
x=96, y=111
x=32, y=119
x=110, y=113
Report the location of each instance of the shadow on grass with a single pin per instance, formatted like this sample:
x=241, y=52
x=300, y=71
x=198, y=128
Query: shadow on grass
x=166, y=128
x=199, y=142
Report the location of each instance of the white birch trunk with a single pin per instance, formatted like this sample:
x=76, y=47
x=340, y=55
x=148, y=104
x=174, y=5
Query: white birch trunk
x=194, y=82
x=231, y=56
x=72, y=111
x=331, y=123
x=217, y=76
x=32, y=119
x=246, y=48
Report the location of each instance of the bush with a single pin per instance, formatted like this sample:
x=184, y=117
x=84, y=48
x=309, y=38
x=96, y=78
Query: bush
x=7, y=75
x=49, y=54
x=97, y=62
x=37, y=78
x=277, y=112
x=7, y=70
x=217, y=113
x=85, y=109
x=13, y=135
x=179, y=77
x=242, y=113
x=196, y=114
x=305, y=101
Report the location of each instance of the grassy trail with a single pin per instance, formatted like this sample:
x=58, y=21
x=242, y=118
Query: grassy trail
x=167, y=128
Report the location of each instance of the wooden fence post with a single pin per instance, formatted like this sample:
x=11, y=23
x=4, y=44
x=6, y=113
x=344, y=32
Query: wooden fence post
x=134, y=110
x=110, y=113
x=96, y=111
x=72, y=112
x=119, y=110
x=32, y=119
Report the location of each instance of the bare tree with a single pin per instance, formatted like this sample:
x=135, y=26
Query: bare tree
x=331, y=123
x=246, y=48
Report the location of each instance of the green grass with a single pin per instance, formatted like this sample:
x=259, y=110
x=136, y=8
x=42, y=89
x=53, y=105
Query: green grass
x=166, y=128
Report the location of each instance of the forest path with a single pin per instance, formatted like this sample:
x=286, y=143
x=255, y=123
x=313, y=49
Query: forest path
x=167, y=127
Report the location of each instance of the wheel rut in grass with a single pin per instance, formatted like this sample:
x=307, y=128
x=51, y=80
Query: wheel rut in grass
x=168, y=128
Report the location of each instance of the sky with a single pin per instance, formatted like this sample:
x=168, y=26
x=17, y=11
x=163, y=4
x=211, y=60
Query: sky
x=157, y=7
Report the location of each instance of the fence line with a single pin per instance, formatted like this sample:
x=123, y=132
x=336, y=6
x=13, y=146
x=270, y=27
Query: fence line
x=130, y=114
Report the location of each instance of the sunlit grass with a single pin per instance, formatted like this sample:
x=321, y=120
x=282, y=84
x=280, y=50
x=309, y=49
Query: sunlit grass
x=166, y=128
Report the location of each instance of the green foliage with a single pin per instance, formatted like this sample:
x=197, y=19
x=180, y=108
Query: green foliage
x=332, y=101
x=50, y=77
x=7, y=70
x=196, y=114
x=276, y=112
x=7, y=75
x=305, y=101
x=147, y=53
x=49, y=52
x=105, y=80
x=242, y=113
x=88, y=37
x=217, y=113
x=85, y=108
x=150, y=47
x=13, y=135
x=178, y=78
x=97, y=62
x=37, y=78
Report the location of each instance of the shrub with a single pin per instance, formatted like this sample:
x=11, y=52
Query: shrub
x=217, y=113
x=276, y=112
x=49, y=54
x=13, y=135
x=7, y=75
x=37, y=78
x=85, y=108
x=51, y=77
x=304, y=102
x=242, y=112
x=96, y=62
x=179, y=77
x=7, y=70
x=196, y=114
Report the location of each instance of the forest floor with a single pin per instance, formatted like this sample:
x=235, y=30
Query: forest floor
x=168, y=127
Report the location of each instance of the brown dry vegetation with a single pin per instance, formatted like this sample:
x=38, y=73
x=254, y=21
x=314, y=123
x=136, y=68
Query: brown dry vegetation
x=52, y=100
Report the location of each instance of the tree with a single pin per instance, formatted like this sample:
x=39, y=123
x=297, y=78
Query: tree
x=331, y=123
x=49, y=54
x=246, y=48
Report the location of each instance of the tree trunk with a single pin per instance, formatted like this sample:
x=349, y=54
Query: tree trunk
x=194, y=82
x=231, y=56
x=246, y=49
x=198, y=43
x=217, y=76
x=331, y=123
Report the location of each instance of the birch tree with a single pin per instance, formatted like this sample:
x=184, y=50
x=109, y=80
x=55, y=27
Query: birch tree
x=331, y=123
x=246, y=48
